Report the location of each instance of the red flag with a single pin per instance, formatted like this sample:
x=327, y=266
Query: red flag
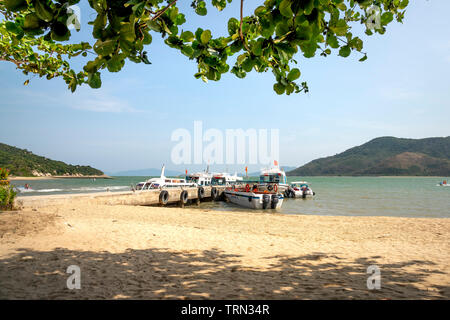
x=186, y=171
x=275, y=162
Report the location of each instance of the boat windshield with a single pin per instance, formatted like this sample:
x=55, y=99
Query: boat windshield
x=271, y=178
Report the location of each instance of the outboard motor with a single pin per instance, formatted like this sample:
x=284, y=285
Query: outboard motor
x=266, y=201
x=274, y=201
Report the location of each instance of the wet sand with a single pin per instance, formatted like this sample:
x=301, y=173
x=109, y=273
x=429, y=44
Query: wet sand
x=172, y=253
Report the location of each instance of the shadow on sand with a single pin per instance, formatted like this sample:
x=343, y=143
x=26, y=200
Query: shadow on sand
x=162, y=274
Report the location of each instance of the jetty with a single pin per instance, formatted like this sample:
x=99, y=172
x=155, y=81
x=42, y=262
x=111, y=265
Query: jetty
x=136, y=198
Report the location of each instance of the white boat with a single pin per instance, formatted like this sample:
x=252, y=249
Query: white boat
x=299, y=189
x=254, y=199
x=163, y=182
x=273, y=175
x=443, y=183
x=225, y=179
x=200, y=178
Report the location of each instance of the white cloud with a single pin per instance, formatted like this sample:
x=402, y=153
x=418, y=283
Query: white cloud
x=100, y=102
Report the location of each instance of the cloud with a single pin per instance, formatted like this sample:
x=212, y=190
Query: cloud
x=82, y=99
x=100, y=102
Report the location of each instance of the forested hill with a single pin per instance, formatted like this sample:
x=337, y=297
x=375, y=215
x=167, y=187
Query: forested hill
x=22, y=162
x=385, y=156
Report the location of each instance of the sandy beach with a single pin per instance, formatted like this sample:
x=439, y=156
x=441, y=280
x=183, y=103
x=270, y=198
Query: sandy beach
x=172, y=253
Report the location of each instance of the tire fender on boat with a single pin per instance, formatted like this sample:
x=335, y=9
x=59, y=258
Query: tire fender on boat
x=184, y=197
x=164, y=197
x=214, y=192
x=201, y=193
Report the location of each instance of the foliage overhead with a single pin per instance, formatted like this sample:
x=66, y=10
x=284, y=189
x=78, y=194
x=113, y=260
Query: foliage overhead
x=22, y=162
x=34, y=34
x=385, y=156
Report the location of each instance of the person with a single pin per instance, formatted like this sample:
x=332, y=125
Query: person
x=27, y=186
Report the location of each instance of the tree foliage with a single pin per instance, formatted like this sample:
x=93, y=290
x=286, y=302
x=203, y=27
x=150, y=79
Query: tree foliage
x=22, y=162
x=34, y=31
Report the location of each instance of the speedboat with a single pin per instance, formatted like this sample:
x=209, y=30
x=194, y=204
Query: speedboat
x=254, y=198
x=163, y=182
x=299, y=189
x=273, y=175
x=225, y=179
x=444, y=184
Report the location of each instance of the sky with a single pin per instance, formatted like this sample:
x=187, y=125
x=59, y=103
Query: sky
x=402, y=90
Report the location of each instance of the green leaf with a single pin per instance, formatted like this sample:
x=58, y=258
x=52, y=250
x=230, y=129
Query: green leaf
x=94, y=80
x=386, y=17
x=345, y=51
x=233, y=26
x=294, y=74
x=15, y=5
x=187, y=36
x=205, y=37
x=340, y=29
x=43, y=11
x=279, y=88
x=201, y=8
x=285, y=8
x=31, y=22
x=116, y=63
x=105, y=48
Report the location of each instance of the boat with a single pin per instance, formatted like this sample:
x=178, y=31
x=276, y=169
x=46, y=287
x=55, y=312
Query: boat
x=299, y=189
x=200, y=178
x=444, y=184
x=163, y=182
x=254, y=198
x=273, y=175
x=225, y=179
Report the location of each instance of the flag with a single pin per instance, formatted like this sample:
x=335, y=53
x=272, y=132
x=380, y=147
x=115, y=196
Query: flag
x=275, y=163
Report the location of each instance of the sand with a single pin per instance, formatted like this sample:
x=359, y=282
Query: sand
x=172, y=253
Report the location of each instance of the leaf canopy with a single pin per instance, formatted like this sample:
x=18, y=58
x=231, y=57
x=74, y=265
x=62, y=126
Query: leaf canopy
x=33, y=35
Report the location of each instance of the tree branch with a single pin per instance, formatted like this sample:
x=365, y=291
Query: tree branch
x=16, y=62
x=159, y=13
x=240, y=28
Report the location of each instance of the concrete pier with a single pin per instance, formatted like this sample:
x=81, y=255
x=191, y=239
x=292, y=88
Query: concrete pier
x=140, y=197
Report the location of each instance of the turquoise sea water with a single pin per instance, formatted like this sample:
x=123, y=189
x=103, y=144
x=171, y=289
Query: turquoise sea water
x=355, y=196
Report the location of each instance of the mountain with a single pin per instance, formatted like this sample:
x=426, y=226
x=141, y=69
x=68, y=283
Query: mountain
x=22, y=162
x=151, y=172
x=385, y=156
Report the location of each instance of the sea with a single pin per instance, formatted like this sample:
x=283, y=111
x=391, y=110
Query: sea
x=415, y=197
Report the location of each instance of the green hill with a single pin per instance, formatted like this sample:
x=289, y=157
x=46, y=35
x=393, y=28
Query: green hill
x=22, y=162
x=385, y=156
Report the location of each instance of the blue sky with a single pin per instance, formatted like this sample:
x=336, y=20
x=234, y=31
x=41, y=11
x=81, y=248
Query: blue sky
x=402, y=90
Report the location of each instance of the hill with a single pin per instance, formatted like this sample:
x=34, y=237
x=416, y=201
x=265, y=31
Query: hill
x=385, y=156
x=22, y=162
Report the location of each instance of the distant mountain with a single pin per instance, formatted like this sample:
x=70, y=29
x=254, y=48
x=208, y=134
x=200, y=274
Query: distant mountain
x=146, y=172
x=22, y=162
x=385, y=156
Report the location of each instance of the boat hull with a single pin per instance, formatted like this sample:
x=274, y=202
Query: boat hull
x=254, y=200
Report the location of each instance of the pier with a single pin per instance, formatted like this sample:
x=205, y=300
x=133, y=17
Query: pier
x=134, y=198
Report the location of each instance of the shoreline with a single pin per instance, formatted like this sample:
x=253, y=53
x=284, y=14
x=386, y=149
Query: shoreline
x=135, y=252
x=13, y=178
